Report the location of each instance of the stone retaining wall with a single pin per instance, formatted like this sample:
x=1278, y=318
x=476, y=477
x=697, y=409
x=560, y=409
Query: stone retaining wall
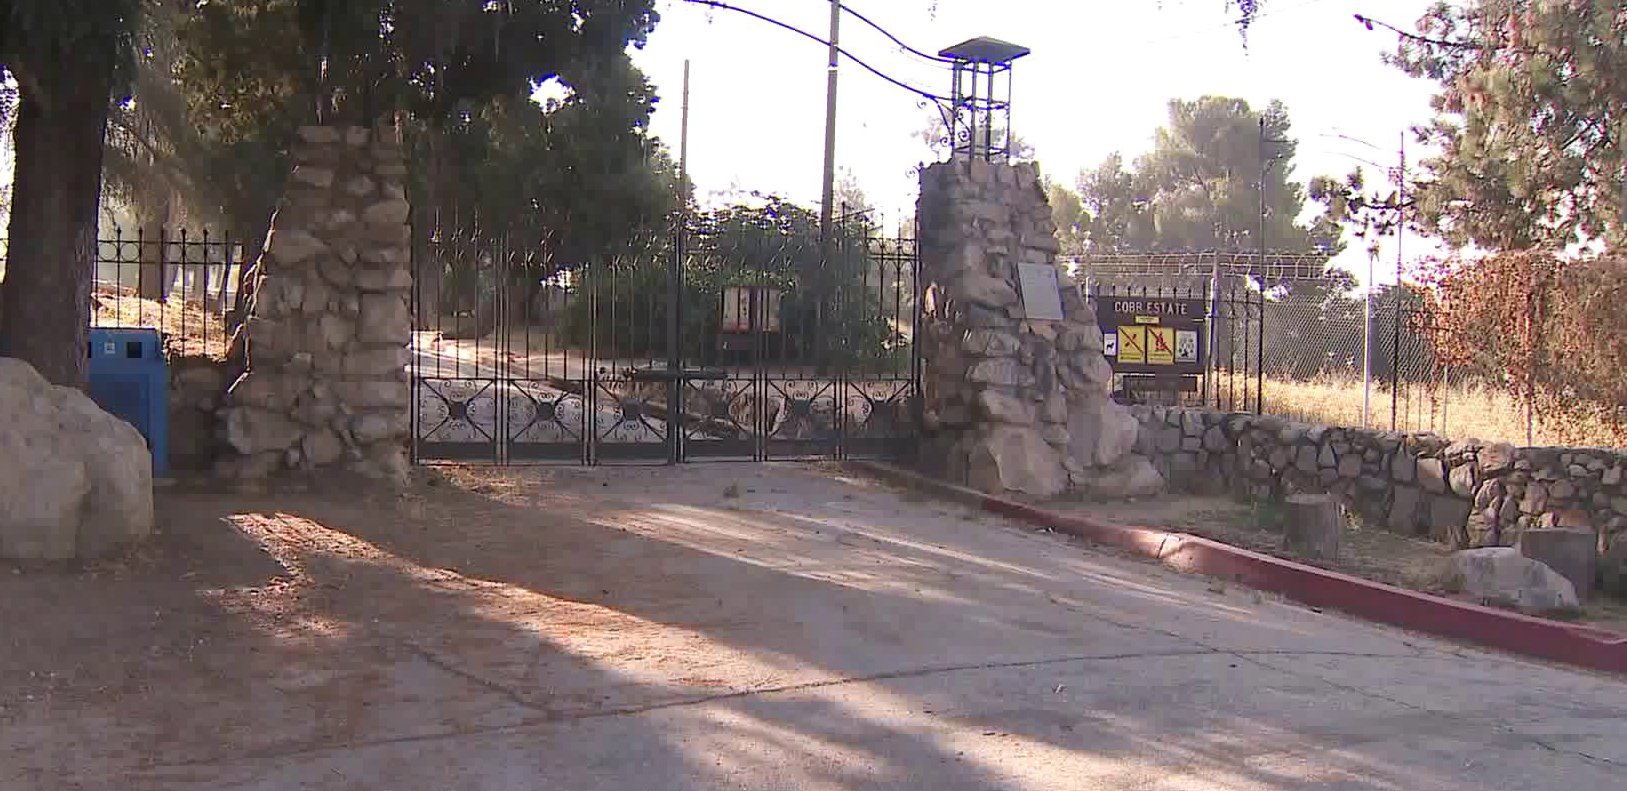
x=1464, y=494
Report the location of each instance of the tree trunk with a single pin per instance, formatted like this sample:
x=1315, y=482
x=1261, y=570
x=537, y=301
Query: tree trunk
x=150, y=273
x=55, y=199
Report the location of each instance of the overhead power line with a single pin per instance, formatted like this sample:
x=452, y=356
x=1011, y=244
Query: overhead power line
x=805, y=34
x=893, y=38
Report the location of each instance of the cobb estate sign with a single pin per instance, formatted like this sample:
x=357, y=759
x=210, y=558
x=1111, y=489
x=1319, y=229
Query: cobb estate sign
x=1160, y=336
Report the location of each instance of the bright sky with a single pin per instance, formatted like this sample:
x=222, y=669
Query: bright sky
x=1099, y=81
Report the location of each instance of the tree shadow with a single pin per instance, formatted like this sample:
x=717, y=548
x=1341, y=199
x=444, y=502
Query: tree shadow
x=617, y=628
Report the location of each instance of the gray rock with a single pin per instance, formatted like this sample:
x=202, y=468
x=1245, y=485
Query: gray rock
x=313, y=176
x=383, y=256
x=1004, y=407
x=1007, y=458
x=990, y=343
x=1496, y=458
x=250, y=431
x=1536, y=499
x=389, y=279
x=384, y=319
x=378, y=361
x=360, y=186
x=1449, y=520
x=1056, y=435
x=387, y=213
x=78, y=481
x=1131, y=476
x=1612, y=476
x=1350, y=466
x=1191, y=423
x=1501, y=575
x=984, y=290
x=1327, y=458
x=293, y=246
x=1463, y=480
x=1403, y=466
x=322, y=447
x=1403, y=516
x=1101, y=431
x=1306, y=459
x=1561, y=490
x=1055, y=409
x=1002, y=372
x=1214, y=440
x=1432, y=475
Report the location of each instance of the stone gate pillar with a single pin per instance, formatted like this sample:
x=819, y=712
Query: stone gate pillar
x=1012, y=403
x=329, y=327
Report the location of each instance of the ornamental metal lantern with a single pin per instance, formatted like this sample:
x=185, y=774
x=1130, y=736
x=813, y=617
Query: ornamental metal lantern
x=981, y=96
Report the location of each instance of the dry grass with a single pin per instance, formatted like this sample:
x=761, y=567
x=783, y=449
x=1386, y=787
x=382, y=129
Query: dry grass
x=190, y=327
x=1457, y=411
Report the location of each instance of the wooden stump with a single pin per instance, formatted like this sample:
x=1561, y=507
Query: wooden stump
x=1312, y=526
x=1572, y=553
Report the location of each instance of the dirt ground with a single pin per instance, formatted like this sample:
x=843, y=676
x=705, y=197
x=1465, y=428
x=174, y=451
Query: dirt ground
x=493, y=626
x=1374, y=554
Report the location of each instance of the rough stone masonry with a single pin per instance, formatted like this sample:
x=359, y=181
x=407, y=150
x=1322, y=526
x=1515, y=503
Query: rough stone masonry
x=1012, y=404
x=329, y=327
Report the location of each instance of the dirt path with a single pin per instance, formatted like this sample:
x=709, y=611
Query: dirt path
x=722, y=626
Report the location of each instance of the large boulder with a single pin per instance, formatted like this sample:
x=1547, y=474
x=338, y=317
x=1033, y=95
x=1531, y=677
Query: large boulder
x=1130, y=476
x=1101, y=431
x=1005, y=458
x=77, y=482
x=1502, y=576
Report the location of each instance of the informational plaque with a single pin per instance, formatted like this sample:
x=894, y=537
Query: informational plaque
x=1042, y=295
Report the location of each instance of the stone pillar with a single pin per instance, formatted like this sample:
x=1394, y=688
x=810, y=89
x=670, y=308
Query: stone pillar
x=1012, y=404
x=330, y=324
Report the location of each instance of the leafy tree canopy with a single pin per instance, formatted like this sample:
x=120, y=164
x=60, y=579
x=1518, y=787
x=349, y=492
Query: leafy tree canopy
x=1528, y=124
x=1199, y=188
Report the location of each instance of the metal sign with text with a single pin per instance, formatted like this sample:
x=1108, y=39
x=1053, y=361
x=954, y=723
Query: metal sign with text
x=1152, y=335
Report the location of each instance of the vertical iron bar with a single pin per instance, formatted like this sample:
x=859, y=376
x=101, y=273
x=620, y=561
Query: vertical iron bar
x=1259, y=368
x=1395, y=363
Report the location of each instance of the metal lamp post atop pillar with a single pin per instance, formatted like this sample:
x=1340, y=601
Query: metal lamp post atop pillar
x=980, y=65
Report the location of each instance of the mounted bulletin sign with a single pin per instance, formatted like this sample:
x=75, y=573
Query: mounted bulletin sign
x=1153, y=338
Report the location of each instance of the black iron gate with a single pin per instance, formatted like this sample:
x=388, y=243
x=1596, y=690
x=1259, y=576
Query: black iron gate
x=738, y=340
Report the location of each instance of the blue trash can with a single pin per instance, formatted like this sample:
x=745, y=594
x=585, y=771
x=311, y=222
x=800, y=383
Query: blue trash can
x=129, y=378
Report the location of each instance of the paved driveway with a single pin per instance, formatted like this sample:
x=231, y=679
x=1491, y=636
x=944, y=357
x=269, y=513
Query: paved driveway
x=775, y=627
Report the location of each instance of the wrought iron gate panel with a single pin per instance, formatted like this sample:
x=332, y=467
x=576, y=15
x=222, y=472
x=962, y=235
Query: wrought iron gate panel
x=780, y=351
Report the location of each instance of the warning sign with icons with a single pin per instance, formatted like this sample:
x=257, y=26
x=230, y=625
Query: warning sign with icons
x=1160, y=345
x=1132, y=345
x=1186, y=346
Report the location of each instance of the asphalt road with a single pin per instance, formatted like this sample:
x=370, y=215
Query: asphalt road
x=781, y=627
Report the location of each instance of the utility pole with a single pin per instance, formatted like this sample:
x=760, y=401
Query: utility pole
x=683, y=149
x=827, y=204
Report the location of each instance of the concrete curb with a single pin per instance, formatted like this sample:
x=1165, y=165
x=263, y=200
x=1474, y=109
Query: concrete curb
x=1557, y=641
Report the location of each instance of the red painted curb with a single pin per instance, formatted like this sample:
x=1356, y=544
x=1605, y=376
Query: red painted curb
x=1557, y=641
